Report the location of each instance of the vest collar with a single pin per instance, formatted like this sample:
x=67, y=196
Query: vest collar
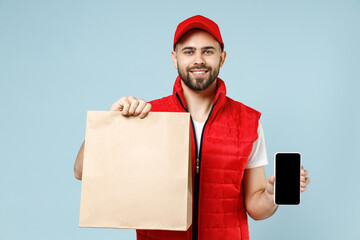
x=179, y=98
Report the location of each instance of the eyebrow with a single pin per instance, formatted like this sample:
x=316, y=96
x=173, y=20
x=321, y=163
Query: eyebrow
x=193, y=48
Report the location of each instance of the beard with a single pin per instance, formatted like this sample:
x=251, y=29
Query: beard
x=199, y=83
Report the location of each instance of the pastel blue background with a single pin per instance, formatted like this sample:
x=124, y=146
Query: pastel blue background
x=298, y=62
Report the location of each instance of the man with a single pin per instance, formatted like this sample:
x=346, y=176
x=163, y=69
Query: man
x=228, y=149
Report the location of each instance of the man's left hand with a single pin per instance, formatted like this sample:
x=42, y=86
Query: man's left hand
x=305, y=180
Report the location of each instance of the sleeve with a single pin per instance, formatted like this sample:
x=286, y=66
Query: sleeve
x=258, y=155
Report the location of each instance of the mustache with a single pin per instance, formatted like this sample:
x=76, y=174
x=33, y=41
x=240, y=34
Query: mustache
x=198, y=67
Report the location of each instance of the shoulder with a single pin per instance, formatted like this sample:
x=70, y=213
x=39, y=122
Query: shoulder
x=242, y=108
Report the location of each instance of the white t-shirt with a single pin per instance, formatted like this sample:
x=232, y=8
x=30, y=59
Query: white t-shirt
x=258, y=155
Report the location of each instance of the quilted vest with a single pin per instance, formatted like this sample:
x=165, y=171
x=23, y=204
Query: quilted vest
x=227, y=140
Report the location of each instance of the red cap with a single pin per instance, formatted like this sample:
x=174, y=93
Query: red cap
x=199, y=22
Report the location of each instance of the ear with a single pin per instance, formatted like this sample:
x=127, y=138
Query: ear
x=222, y=58
x=174, y=58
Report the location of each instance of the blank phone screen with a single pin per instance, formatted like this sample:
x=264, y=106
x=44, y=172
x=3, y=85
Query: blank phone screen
x=287, y=178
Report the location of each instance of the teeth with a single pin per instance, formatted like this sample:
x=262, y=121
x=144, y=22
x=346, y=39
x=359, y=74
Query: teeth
x=198, y=72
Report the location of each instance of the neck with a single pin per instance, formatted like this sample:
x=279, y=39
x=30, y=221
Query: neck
x=199, y=103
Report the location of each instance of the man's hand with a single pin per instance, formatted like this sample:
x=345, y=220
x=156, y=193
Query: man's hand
x=130, y=106
x=305, y=180
x=259, y=193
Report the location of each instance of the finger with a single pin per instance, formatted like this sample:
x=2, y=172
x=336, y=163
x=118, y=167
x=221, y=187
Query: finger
x=145, y=111
x=133, y=104
x=303, y=189
x=302, y=179
x=126, y=106
x=307, y=180
x=304, y=172
x=140, y=107
x=271, y=180
x=118, y=105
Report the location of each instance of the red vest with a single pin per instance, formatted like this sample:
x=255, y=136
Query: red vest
x=227, y=140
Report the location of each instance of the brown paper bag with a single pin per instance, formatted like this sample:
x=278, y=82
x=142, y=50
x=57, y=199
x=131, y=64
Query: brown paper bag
x=136, y=172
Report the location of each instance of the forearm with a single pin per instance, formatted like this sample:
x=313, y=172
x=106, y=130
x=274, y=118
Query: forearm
x=78, y=167
x=261, y=205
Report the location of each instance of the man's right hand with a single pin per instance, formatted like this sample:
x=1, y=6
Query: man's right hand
x=131, y=106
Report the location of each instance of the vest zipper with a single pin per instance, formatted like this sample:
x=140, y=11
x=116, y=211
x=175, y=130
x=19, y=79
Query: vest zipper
x=197, y=170
x=197, y=165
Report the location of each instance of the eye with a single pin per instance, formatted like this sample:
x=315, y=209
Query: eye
x=208, y=52
x=188, y=52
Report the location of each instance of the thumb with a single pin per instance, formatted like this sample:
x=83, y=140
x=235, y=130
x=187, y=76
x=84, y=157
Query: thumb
x=272, y=180
x=270, y=185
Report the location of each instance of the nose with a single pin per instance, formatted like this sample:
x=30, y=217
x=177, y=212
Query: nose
x=199, y=59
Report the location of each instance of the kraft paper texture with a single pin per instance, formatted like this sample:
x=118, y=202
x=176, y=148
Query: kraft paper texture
x=137, y=172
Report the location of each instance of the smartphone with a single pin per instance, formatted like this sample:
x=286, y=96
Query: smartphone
x=287, y=178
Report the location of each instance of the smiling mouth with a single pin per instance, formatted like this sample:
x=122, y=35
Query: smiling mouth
x=199, y=72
